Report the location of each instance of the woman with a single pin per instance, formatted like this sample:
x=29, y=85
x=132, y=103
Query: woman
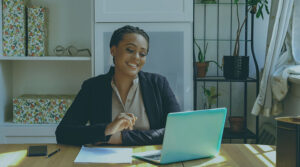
x=125, y=106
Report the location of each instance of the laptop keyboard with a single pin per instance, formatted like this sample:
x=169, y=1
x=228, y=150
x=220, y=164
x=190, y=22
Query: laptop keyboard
x=154, y=156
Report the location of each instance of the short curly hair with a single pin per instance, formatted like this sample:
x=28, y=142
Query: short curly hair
x=118, y=34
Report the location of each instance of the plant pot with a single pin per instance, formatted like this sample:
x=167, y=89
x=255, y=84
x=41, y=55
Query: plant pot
x=202, y=69
x=236, y=67
x=236, y=124
x=208, y=1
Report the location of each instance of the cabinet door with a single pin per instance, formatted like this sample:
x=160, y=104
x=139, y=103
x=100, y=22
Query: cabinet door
x=143, y=10
x=170, y=51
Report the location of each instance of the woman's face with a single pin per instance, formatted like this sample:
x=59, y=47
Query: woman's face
x=130, y=54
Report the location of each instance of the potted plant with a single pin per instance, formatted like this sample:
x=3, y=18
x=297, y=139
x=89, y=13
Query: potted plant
x=235, y=66
x=236, y=124
x=210, y=95
x=202, y=64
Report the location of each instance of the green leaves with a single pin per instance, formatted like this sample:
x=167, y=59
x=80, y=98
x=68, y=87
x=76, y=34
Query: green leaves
x=267, y=9
x=260, y=4
x=259, y=12
x=201, y=55
x=207, y=92
x=212, y=61
x=211, y=95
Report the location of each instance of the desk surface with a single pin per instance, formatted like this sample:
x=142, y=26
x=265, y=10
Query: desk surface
x=230, y=155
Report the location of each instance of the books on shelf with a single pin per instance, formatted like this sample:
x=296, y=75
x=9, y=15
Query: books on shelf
x=14, y=42
x=37, y=30
x=17, y=24
x=1, y=51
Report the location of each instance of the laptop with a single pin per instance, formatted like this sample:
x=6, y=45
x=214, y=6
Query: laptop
x=189, y=135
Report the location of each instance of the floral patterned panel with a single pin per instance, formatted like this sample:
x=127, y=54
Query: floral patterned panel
x=37, y=31
x=40, y=109
x=13, y=27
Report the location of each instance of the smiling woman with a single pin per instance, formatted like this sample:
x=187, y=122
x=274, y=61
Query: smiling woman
x=125, y=106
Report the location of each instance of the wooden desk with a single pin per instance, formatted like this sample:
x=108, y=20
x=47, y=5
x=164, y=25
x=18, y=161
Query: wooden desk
x=230, y=155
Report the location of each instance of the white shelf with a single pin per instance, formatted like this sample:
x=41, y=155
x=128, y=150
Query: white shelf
x=11, y=124
x=13, y=129
x=47, y=58
x=12, y=133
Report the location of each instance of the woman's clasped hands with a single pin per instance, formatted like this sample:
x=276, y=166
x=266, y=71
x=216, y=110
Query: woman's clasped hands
x=122, y=121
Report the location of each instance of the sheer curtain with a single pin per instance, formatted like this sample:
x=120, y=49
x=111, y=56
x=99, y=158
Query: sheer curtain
x=283, y=56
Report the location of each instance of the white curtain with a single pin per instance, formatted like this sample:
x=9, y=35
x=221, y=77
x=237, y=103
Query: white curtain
x=283, y=56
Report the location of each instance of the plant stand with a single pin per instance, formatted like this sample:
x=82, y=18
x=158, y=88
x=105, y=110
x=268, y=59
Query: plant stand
x=217, y=78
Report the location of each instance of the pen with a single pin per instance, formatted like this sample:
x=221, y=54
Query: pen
x=54, y=152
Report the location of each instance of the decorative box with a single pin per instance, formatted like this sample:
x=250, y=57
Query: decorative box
x=13, y=28
x=37, y=31
x=1, y=51
x=40, y=109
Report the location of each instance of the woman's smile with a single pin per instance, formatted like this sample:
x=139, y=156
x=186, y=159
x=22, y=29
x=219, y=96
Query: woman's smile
x=133, y=66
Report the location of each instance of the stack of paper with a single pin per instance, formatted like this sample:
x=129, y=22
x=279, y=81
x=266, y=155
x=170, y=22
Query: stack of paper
x=104, y=155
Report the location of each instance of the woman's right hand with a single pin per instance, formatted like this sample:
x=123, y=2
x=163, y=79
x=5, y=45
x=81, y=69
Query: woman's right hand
x=121, y=122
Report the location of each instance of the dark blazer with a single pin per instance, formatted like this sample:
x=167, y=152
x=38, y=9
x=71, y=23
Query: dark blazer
x=93, y=103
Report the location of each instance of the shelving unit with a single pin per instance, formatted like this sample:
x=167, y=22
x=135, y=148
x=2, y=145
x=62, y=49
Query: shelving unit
x=70, y=23
x=215, y=24
x=89, y=24
x=47, y=58
x=222, y=79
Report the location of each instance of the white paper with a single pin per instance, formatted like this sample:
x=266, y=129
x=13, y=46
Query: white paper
x=104, y=155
